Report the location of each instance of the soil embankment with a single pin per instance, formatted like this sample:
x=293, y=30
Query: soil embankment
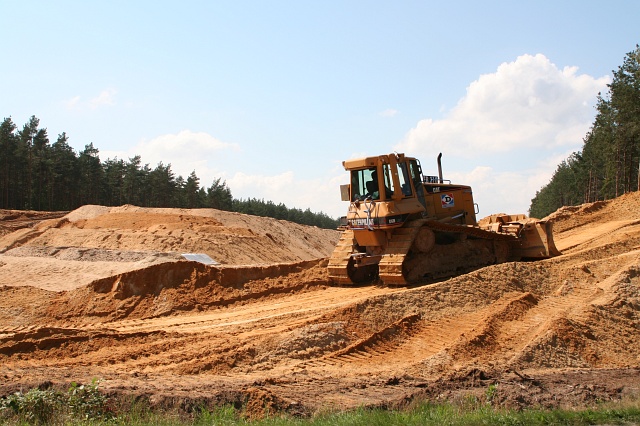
x=104, y=292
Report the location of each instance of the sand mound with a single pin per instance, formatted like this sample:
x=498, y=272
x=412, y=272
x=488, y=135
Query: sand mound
x=121, y=239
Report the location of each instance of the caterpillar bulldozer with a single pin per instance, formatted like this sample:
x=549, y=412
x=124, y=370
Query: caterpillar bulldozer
x=403, y=227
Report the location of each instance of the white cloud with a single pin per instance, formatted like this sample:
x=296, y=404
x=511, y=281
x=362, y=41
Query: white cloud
x=211, y=159
x=388, y=113
x=194, y=146
x=259, y=184
x=72, y=103
x=318, y=194
x=528, y=103
x=185, y=151
x=512, y=128
x=106, y=97
x=497, y=191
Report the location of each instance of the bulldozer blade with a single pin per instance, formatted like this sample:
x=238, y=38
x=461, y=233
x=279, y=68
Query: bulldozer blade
x=536, y=240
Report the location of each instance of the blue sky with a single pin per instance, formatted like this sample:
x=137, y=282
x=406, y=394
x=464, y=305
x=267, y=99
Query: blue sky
x=272, y=96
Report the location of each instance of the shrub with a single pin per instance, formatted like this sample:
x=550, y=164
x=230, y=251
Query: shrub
x=39, y=406
x=87, y=401
x=35, y=406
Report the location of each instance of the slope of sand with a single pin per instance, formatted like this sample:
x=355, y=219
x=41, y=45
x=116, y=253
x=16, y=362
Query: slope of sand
x=95, y=241
x=265, y=330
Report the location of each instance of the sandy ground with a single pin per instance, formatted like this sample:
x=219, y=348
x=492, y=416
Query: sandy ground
x=104, y=292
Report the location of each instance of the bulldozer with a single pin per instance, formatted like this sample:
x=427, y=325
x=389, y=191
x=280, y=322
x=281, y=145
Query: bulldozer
x=403, y=227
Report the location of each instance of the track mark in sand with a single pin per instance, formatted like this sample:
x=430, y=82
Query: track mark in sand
x=301, y=305
x=407, y=341
x=469, y=335
x=510, y=324
x=381, y=342
x=516, y=334
x=29, y=339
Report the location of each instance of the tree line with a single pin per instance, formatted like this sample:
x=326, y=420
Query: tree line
x=38, y=175
x=609, y=163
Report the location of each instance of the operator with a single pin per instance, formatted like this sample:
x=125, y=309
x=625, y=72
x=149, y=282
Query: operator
x=373, y=188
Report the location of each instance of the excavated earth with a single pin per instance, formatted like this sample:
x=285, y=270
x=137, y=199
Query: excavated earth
x=105, y=293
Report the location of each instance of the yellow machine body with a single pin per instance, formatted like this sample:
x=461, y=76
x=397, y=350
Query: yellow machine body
x=402, y=226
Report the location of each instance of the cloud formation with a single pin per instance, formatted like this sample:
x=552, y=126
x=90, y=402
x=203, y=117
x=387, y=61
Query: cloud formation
x=389, y=112
x=185, y=145
x=527, y=103
x=263, y=187
x=506, y=136
x=107, y=97
x=318, y=194
x=185, y=151
x=211, y=159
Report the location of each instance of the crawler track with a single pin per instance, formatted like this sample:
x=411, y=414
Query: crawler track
x=339, y=261
x=399, y=266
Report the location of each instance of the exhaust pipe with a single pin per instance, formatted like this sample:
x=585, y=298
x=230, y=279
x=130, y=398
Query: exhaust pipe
x=440, y=168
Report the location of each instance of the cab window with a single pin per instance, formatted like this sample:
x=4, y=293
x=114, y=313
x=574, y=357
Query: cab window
x=388, y=180
x=364, y=184
x=403, y=176
x=416, y=173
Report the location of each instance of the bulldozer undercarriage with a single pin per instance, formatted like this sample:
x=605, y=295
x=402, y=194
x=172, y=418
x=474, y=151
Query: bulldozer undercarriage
x=420, y=250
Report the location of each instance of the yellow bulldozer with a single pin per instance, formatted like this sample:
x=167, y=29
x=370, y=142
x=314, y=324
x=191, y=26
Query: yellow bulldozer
x=403, y=227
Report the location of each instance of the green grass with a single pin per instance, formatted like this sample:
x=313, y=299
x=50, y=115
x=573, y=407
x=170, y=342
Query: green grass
x=85, y=405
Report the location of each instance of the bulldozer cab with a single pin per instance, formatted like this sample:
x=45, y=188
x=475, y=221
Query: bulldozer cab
x=393, y=178
x=382, y=194
x=396, y=186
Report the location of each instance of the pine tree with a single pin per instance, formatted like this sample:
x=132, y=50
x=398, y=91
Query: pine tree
x=8, y=143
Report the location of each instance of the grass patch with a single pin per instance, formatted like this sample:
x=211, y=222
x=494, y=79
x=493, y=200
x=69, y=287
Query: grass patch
x=87, y=405
x=448, y=414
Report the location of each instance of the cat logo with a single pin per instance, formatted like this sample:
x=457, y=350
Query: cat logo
x=447, y=201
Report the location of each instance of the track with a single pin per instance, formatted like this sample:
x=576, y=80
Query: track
x=397, y=268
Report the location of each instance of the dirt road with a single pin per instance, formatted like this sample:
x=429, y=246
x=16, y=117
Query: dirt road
x=105, y=293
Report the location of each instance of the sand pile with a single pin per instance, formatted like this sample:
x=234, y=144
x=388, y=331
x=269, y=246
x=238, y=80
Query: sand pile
x=93, y=242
